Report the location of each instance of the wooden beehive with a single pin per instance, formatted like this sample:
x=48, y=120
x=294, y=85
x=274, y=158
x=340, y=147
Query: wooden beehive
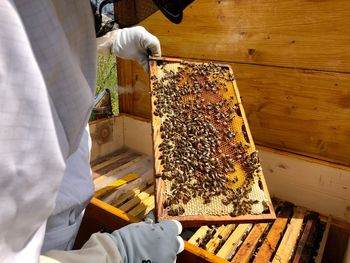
x=296, y=233
x=122, y=159
x=291, y=62
x=190, y=95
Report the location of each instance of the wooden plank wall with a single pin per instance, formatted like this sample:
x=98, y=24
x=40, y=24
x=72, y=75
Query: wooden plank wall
x=291, y=59
x=107, y=136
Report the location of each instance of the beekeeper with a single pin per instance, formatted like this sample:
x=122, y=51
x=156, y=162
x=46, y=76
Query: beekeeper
x=47, y=85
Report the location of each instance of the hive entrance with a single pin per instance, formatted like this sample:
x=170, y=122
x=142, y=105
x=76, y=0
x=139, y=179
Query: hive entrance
x=205, y=160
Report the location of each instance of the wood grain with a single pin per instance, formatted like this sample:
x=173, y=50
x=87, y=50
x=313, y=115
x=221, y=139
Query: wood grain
x=221, y=236
x=116, y=162
x=142, y=105
x=143, y=208
x=128, y=195
x=300, y=111
x=200, y=233
x=297, y=110
x=317, y=186
x=138, y=135
x=274, y=235
x=101, y=162
x=125, y=85
x=246, y=250
x=336, y=245
x=198, y=255
x=304, y=249
x=323, y=241
x=107, y=137
x=111, y=187
x=290, y=237
x=228, y=248
x=139, y=164
x=137, y=199
x=292, y=33
x=297, y=40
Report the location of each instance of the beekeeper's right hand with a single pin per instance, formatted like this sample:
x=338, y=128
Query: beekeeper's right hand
x=134, y=43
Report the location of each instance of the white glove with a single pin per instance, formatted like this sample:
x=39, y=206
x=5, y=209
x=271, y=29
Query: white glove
x=134, y=43
x=149, y=243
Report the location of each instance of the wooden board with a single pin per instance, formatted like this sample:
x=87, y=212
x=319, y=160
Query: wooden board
x=108, y=159
x=295, y=110
x=270, y=243
x=291, y=61
x=113, y=186
x=142, y=209
x=129, y=194
x=291, y=33
x=137, y=199
x=138, y=134
x=125, y=84
x=307, y=182
x=107, y=137
x=281, y=103
x=195, y=254
x=112, y=164
x=200, y=233
x=247, y=141
x=246, y=251
x=233, y=241
x=305, y=245
x=323, y=241
x=137, y=165
x=336, y=245
x=221, y=237
x=138, y=79
x=134, y=93
x=286, y=248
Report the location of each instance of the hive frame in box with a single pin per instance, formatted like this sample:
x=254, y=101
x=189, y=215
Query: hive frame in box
x=129, y=131
x=195, y=220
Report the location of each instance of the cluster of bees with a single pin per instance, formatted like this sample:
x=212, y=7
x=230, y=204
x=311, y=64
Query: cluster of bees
x=208, y=236
x=198, y=147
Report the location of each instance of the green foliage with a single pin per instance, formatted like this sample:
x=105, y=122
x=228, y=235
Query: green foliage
x=107, y=78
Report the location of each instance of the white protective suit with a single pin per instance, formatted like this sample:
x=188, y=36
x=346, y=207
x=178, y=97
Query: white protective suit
x=47, y=74
x=47, y=84
x=63, y=224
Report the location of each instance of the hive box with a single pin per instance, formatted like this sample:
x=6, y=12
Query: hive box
x=126, y=131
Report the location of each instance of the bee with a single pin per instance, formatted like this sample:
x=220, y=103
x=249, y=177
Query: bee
x=172, y=212
x=181, y=210
x=167, y=202
x=225, y=201
x=233, y=214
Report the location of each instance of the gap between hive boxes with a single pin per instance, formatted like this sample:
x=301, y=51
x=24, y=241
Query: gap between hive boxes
x=194, y=211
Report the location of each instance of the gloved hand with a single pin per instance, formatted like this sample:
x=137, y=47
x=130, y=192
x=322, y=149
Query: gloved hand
x=146, y=242
x=134, y=43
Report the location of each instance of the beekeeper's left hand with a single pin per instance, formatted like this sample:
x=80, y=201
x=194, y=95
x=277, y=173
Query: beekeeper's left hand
x=149, y=243
x=134, y=43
